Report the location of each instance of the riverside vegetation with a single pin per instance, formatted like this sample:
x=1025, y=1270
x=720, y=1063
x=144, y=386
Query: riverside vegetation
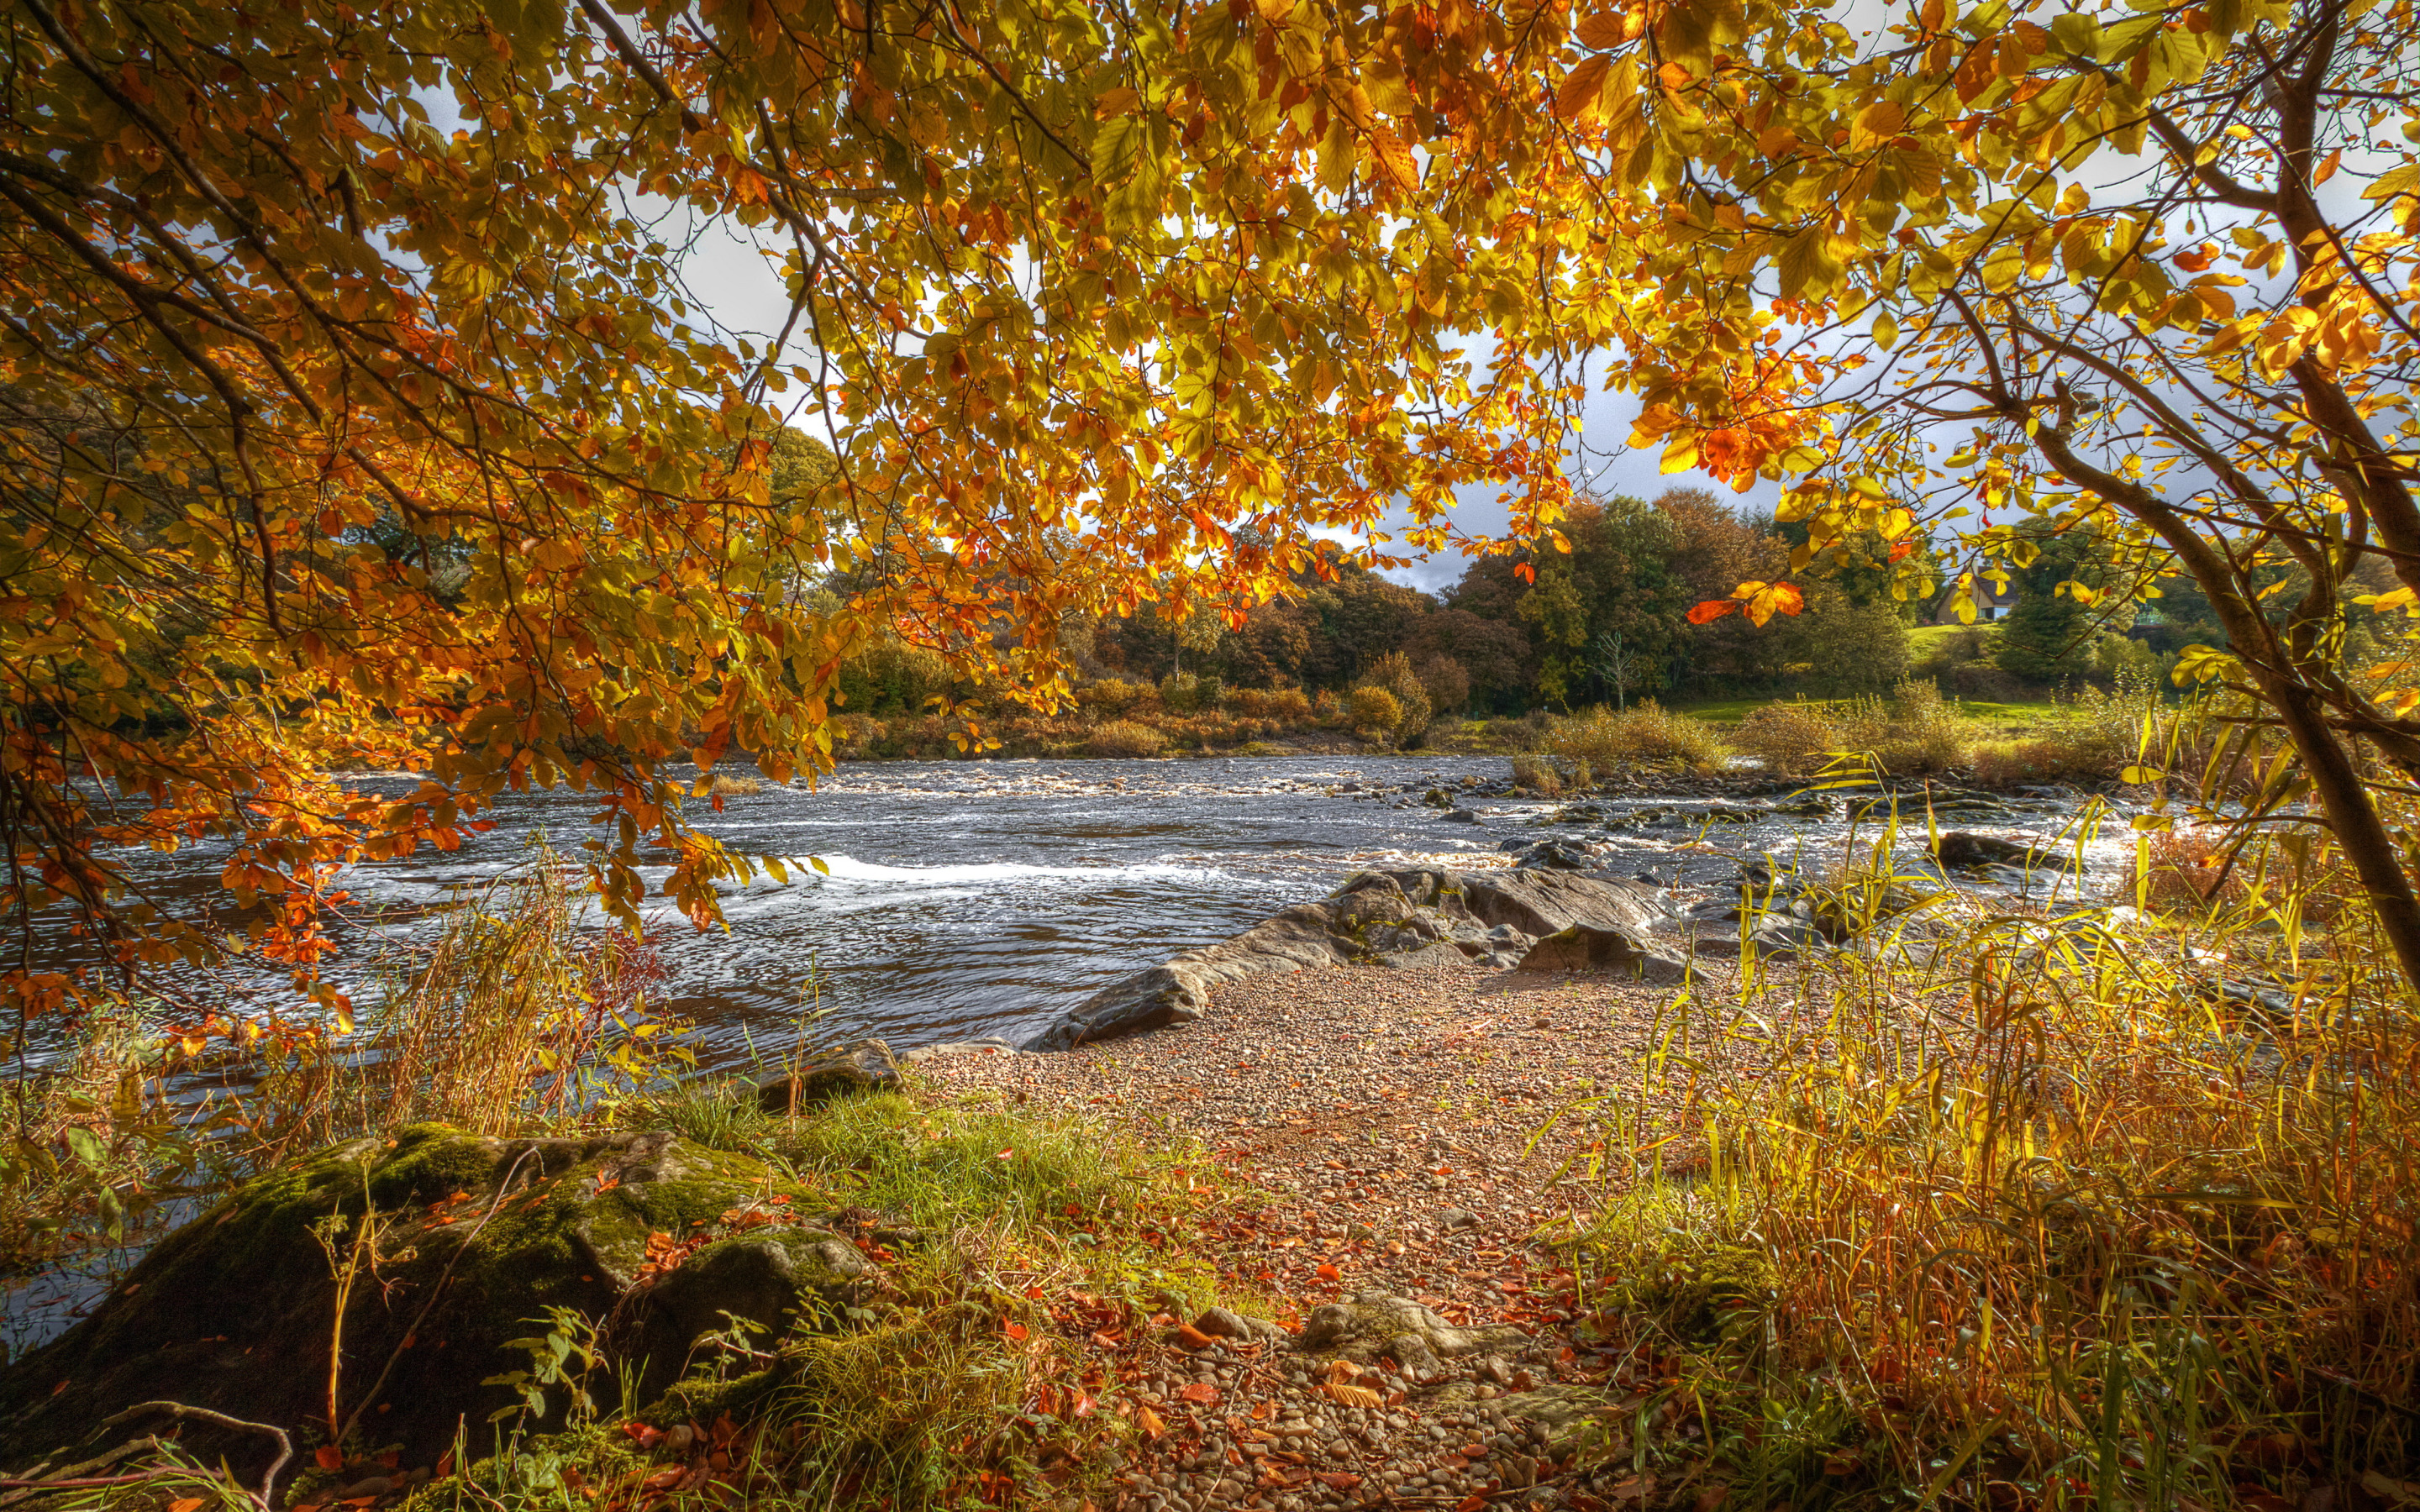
x=2016, y=1206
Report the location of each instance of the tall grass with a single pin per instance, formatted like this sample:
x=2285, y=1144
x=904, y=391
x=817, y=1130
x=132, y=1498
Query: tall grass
x=510, y=1018
x=1647, y=733
x=2042, y=1213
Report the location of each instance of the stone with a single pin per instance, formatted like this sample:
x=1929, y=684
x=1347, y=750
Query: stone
x=1373, y=1323
x=1598, y=948
x=866, y=1066
x=1461, y=816
x=1965, y=848
x=1221, y=1323
x=477, y=1235
x=1407, y=919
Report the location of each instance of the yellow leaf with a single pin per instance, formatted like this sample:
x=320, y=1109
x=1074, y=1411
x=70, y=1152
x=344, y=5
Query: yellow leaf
x=1582, y=88
x=1679, y=453
x=1113, y=103
x=1603, y=30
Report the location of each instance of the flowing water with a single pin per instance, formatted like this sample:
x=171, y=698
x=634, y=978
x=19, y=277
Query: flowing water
x=977, y=898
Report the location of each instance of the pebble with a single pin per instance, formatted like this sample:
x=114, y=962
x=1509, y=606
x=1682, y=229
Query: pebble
x=1354, y=1096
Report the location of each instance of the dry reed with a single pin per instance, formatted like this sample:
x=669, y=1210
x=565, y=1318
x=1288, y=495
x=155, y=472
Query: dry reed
x=2042, y=1212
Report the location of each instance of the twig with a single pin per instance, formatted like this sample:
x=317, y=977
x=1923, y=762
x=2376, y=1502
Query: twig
x=268, y=1477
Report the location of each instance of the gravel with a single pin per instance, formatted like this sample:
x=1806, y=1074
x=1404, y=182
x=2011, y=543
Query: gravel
x=1410, y=1131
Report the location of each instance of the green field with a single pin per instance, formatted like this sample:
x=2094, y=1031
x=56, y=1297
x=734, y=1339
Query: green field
x=2001, y=719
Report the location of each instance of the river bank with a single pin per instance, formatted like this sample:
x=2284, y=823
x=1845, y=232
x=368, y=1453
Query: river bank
x=1439, y=1235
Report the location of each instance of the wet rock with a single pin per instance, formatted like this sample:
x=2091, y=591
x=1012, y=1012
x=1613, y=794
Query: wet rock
x=475, y=1237
x=1962, y=848
x=1462, y=816
x=866, y=1066
x=1563, y=856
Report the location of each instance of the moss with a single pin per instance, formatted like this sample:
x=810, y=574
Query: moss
x=429, y=1162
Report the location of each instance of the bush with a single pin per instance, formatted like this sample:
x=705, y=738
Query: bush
x=1114, y=696
x=1125, y=738
x=1914, y=734
x=1375, y=711
x=2103, y=735
x=726, y=786
x=1538, y=775
x=1289, y=704
x=1609, y=742
x=1791, y=739
x=1185, y=693
x=1983, y=682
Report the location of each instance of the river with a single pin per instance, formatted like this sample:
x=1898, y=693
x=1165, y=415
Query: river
x=982, y=897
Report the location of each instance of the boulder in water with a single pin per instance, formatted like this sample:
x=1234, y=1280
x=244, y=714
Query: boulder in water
x=1965, y=848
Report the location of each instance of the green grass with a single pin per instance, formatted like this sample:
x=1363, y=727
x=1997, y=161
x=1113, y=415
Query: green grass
x=1998, y=720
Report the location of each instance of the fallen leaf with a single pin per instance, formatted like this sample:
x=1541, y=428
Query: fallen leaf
x=328, y=1457
x=1192, y=1337
x=1328, y=1273
x=1015, y=1331
x=1150, y=1422
x=185, y=1503
x=1200, y=1391
x=1336, y=1480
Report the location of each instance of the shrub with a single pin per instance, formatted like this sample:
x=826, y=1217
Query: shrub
x=1793, y=739
x=1983, y=682
x=1646, y=732
x=1375, y=711
x=1538, y=775
x=1185, y=693
x=2102, y=735
x=1125, y=738
x=1915, y=734
x=726, y=786
x=1114, y=696
x=1289, y=704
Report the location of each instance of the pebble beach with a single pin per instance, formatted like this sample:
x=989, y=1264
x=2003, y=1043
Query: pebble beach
x=1421, y=1135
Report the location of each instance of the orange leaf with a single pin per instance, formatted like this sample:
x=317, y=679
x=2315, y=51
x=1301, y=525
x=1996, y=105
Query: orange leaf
x=1328, y=1272
x=328, y=1457
x=1712, y=610
x=1015, y=1331
x=1150, y=1422
x=1776, y=598
x=185, y=1503
x=1200, y=1391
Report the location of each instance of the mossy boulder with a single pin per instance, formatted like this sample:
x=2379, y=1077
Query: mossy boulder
x=652, y=1238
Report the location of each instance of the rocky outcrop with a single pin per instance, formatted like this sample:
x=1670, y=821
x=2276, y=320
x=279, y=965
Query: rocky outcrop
x=468, y=1240
x=1412, y=918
